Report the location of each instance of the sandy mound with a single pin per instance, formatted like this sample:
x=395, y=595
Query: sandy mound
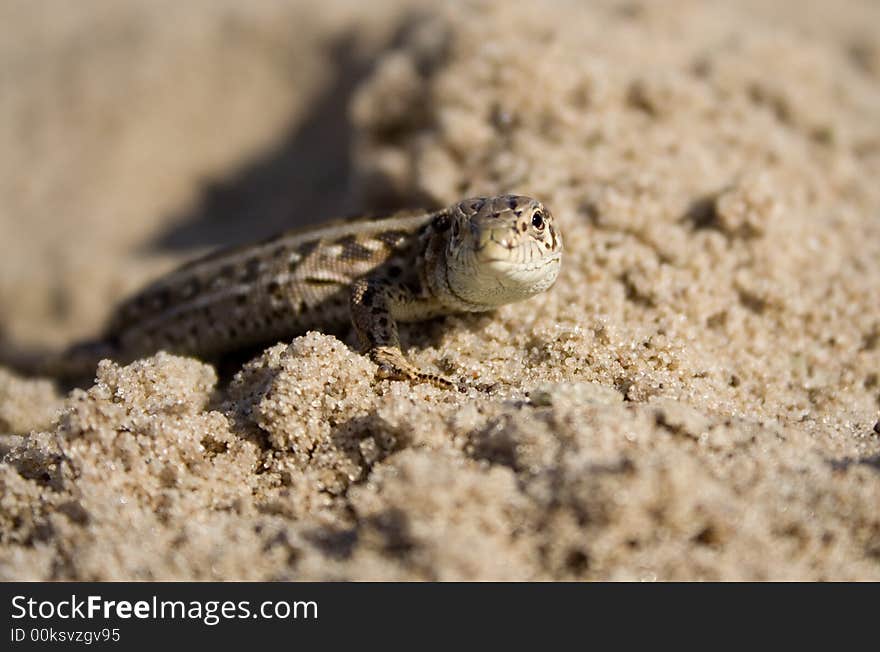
x=696, y=398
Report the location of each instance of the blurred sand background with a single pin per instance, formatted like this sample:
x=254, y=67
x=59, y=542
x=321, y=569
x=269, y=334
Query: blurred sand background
x=695, y=399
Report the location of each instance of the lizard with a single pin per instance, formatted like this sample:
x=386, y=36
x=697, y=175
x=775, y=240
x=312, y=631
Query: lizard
x=473, y=256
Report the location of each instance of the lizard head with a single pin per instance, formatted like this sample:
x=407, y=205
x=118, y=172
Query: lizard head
x=501, y=249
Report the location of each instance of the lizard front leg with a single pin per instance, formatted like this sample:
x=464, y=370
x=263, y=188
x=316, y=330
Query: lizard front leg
x=376, y=303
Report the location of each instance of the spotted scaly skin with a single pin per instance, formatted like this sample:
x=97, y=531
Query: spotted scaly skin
x=374, y=273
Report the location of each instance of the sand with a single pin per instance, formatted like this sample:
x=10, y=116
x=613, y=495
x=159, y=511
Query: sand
x=696, y=399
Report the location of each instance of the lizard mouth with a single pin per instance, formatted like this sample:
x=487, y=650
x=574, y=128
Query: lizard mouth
x=525, y=265
x=501, y=253
x=513, y=271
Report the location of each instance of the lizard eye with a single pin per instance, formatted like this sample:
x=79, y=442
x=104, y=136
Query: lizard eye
x=538, y=220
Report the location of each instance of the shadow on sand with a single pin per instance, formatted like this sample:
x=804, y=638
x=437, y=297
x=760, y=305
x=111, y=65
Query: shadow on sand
x=305, y=178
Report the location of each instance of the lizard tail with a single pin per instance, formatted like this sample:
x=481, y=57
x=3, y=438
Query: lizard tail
x=74, y=365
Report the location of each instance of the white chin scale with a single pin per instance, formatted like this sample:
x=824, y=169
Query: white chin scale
x=494, y=282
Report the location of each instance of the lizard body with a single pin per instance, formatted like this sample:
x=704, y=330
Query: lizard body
x=471, y=257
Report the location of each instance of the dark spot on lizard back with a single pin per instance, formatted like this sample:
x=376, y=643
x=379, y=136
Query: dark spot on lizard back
x=321, y=281
x=141, y=301
x=354, y=250
x=414, y=286
x=191, y=288
x=161, y=299
x=275, y=289
x=251, y=270
x=512, y=203
x=441, y=223
x=302, y=252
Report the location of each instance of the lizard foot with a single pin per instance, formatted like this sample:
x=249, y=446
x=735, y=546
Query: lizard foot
x=393, y=366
